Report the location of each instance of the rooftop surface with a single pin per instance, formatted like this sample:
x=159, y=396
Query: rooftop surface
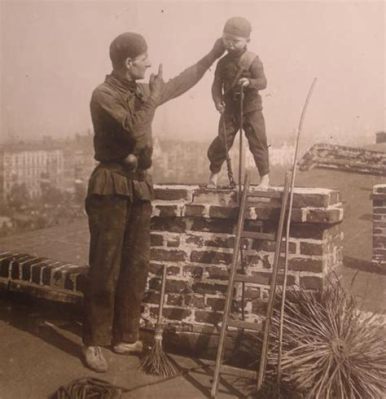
x=40, y=345
x=40, y=351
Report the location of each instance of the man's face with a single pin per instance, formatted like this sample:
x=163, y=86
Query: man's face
x=137, y=66
x=234, y=43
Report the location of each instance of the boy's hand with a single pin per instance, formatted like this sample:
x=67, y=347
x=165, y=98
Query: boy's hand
x=156, y=83
x=218, y=48
x=220, y=106
x=244, y=82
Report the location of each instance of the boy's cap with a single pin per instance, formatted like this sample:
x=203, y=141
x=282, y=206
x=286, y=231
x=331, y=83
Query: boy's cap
x=238, y=26
x=126, y=45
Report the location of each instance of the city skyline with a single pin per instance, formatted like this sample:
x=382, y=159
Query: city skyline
x=56, y=52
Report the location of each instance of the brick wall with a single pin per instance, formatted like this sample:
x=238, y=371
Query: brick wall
x=339, y=157
x=379, y=226
x=193, y=234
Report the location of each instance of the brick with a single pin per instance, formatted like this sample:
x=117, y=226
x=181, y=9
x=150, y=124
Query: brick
x=49, y=274
x=215, y=197
x=176, y=286
x=26, y=268
x=220, y=242
x=174, y=225
x=156, y=240
x=379, y=211
x=378, y=251
x=211, y=257
x=208, y=288
x=269, y=246
x=152, y=297
x=194, y=271
x=6, y=264
x=172, y=255
x=307, y=248
x=213, y=225
x=15, y=266
x=379, y=188
x=306, y=265
x=265, y=278
x=37, y=270
x=252, y=292
x=259, y=306
x=171, y=194
x=311, y=283
x=216, y=304
x=176, y=313
x=173, y=270
x=217, y=273
x=195, y=240
x=301, y=200
x=308, y=231
x=156, y=268
x=207, y=317
x=173, y=242
x=69, y=283
x=379, y=241
x=330, y=215
x=167, y=211
x=265, y=212
x=195, y=301
x=194, y=210
x=379, y=203
x=223, y=212
x=175, y=300
x=258, y=260
x=154, y=283
x=81, y=281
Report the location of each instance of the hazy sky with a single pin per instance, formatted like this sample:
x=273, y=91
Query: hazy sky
x=54, y=53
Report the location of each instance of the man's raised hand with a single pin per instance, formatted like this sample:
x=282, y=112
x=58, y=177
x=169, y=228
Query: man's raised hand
x=156, y=83
x=218, y=48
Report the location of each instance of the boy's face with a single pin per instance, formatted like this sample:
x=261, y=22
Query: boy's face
x=234, y=43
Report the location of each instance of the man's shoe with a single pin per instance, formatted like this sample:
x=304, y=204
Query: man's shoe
x=124, y=348
x=94, y=358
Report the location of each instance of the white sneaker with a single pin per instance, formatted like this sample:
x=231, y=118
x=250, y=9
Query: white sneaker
x=124, y=348
x=94, y=358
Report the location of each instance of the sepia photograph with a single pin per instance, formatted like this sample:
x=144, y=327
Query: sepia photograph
x=193, y=199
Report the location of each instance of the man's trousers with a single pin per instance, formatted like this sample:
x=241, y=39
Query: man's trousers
x=254, y=128
x=119, y=262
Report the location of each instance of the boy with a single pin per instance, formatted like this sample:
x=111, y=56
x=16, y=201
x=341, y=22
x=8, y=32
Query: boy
x=239, y=70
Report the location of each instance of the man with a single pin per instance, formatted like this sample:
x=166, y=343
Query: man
x=118, y=202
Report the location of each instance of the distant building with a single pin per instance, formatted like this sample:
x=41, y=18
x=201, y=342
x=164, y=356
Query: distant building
x=78, y=154
x=29, y=164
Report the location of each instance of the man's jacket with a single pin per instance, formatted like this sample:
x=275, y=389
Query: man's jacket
x=122, y=112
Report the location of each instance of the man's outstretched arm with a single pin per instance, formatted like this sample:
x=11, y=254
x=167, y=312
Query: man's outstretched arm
x=190, y=76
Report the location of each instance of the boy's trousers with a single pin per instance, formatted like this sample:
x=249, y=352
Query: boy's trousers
x=119, y=259
x=254, y=128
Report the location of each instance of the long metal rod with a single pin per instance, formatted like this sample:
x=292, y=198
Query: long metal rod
x=229, y=294
x=288, y=227
x=241, y=147
x=227, y=157
x=272, y=290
